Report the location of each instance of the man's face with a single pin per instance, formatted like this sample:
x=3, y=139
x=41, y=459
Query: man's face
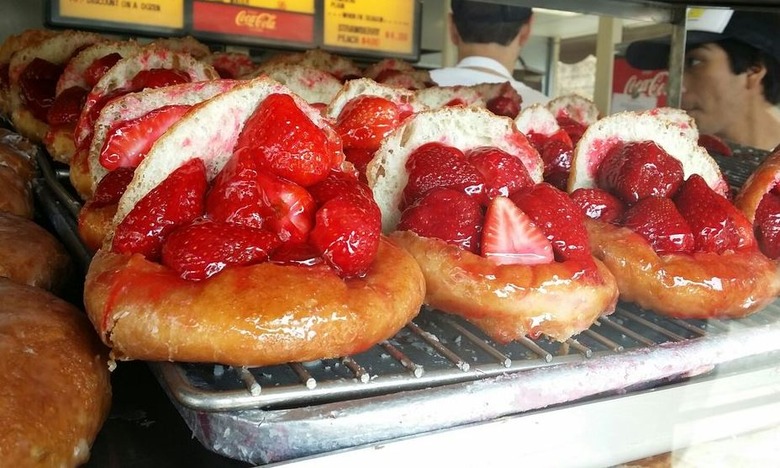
x=712, y=94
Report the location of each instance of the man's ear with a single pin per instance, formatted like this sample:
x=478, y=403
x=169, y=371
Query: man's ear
x=454, y=35
x=525, y=32
x=755, y=74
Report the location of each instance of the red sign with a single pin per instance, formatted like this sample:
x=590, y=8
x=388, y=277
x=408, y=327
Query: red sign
x=256, y=22
x=634, y=88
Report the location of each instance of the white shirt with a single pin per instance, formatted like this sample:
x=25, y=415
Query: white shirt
x=476, y=70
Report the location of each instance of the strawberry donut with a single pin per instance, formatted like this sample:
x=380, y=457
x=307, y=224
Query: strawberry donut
x=759, y=199
x=460, y=189
x=663, y=223
x=244, y=238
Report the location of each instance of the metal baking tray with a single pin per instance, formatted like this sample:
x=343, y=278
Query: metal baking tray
x=438, y=372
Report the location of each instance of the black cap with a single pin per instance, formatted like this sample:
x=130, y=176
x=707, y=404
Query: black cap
x=757, y=29
x=489, y=12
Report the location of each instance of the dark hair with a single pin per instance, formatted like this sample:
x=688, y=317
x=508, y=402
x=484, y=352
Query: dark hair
x=743, y=56
x=483, y=23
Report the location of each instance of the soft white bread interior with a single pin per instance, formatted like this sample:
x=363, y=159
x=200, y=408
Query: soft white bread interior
x=576, y=106
x=312, y=84
x=337, y=65
x=404, y=98
x=124, y=70
x=679, y=118
x=134, y=105
x=538, y=119
x=460, y=127
x=197, y=136
x=187, y=45
x=474, y=95
x=626, y=127
x=73, y=74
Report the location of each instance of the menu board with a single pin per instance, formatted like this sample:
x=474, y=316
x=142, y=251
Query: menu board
x=161, y=17
x=370, y=27
x=289, y=22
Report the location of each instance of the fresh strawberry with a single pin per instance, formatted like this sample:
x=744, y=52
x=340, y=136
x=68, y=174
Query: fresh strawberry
x=716, y=224
x=640, y=169
x=202, y=249
x=436, y=165
x=38, y=83
x=285, y=141
x=658, y=221
x=714, y=145
x=503, y=105
x=446, y=214
x=296, y=254
x=338, y=183
x=503, y=173
x=559, y=218
x=510, y=237
x=366, y=120
x=176, y=201
x=598, y=204
x=99, y=67
x=127, y=142
x=242, y=193
x=67, y=106
x=767, y=225
x=572, y=128
x=346, y=234
x=557, y=155
x=112, y=186
x=158, y=78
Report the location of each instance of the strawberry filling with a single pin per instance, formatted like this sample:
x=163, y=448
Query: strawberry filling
x=484, y=202
x=257, y=208
x=767, y=224
x=38, y=83
x=641, y=187
x=556, y=151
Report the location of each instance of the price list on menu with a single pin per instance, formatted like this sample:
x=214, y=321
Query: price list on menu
x=151, y=16
x=289, y=22
x=370, y=27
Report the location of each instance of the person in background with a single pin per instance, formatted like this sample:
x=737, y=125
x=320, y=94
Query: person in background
x=731, y=79
x=489, y=38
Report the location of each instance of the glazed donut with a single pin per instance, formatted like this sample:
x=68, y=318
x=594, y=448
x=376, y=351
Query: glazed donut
x=17, y=169
x=758, y=184
x=55, y=380
x=685, y=252
x=559, y=298
x=255, y=314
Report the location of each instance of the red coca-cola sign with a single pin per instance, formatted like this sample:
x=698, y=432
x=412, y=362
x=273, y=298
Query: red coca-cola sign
x=632, y=83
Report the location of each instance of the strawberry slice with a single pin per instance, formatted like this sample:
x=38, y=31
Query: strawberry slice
x=446, y=214
x=95, y=71
x=767, y=225
x=286, y=142
x=503, y=173
x=715, y=145
x=200, y=250
x=158, y=78
x=111, y=187
x=346, y=234
x=288, y=209
x=176, y=201
x=598, y=204
x=366, y=120
x=437, y=165
x=128, y=141
x=510, y=237
x=339, y=183
x=360, y=157
x=640, y=169
x=557, y=154
x=38, y=83
x=559, y=218
x=504, y=105
x=572, y=128
x=661, y=224
x=67, y=106
x=717, y=225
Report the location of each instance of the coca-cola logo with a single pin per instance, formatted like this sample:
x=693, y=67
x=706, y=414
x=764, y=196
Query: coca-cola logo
x=256, y=21
x=653, y=86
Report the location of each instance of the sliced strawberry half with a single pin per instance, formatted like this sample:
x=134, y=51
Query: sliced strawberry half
x=111, y=187
x=288, y=209
x=598, y=204
x=339, y=183
x=640, y=169
x=438, y=165
x=767, y=225
x=366, y=120
x=95, y=71
x=176, y=201
x=503, y=173
x=202, y=249
x=287, y=142
x=715, y=145
x=446, y=214
x=38, y=83
x=346, y=233
x=127, y=142
x=661, y=224
x=158, y=78
x=67, y=106
x=509, y=236
x=559, y=218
